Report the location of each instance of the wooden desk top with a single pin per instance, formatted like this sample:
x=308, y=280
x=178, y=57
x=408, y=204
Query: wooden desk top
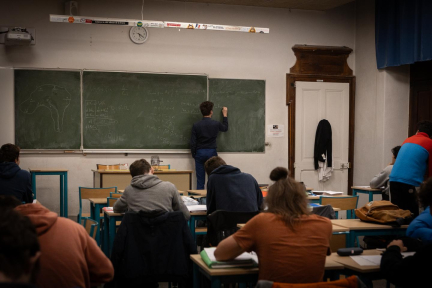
x=335, y=228
x=357, y=224
x=329, y=265
x=155, y=172
x=349, y=263
x=48, y=170
x=313, y=197
x=198, y=192
x=365, y=188
x=109, y=214
x=98, y=200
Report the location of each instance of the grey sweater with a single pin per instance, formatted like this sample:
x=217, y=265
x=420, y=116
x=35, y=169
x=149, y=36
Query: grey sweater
x=148, y=193
x=382, y=180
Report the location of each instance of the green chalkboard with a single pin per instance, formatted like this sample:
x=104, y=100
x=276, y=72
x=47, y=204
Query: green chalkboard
x=47, y=109
x=140, y=110
x=245, y=100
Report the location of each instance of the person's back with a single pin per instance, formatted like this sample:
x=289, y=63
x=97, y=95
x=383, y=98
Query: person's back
x=291, y=244
x=70, y=257
x=421, y=227
x=302, y=249
x=13, y=180
x=148, y=193
x=229, y=189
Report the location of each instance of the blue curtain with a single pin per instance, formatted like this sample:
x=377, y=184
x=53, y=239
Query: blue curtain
x=403, y=32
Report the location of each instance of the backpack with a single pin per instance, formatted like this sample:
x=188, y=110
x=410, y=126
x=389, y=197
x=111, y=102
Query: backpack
x=384, y=212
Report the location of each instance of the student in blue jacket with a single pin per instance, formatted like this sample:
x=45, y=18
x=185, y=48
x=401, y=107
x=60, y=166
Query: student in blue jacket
x=13, y=180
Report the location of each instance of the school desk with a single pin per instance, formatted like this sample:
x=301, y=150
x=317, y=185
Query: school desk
x=63, y=173
x=359, y=228
x=366, y=190
x=202, y=193
x=122, y=178
x=96, y=205
x=195, y=216
x=240, y=275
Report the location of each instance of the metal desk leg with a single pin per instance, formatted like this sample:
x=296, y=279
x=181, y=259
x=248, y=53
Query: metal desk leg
x=192, y=227
x=112, y=232
x=105, y=238
x=370, y=196
x=33, y=176
x=195, y=276
x=65, y=191
x=61, y=196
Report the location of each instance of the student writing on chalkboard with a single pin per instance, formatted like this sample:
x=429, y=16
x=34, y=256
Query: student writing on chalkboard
x=203, y=139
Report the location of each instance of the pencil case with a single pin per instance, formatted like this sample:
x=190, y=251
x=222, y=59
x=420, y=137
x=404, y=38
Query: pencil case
x=349, y=251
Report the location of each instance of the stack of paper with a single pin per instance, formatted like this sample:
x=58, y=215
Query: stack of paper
x=244, y=260
x=329, y=193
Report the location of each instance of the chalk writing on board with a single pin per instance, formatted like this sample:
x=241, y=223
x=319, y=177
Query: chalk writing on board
x=55, y=98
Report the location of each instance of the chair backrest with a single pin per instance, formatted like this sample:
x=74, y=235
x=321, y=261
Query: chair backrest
x=108, y=167
x=343, y=203
x=90, y=225
x=115, y=195
x=86, y=193
x=221, y=224
x=111, y=201
x=350, y=282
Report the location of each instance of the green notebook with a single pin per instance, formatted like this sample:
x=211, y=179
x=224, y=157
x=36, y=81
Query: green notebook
x=243, y=261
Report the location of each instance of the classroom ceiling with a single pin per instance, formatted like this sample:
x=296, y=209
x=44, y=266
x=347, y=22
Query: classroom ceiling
x=320, y=5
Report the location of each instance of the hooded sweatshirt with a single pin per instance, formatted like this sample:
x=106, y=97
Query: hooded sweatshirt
x=69, y=256
x=149, y=193
x=229, y=189
x=15, y=181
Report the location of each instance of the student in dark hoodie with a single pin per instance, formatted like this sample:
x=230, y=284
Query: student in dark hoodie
x=229, y=189
x=148, y=193
x=13, y=180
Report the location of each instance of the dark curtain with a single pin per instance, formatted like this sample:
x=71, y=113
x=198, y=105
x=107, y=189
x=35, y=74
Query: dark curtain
x=403, y=32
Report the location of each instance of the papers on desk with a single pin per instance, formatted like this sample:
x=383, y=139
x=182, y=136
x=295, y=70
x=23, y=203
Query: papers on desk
x=108, y=209
x=373, y=260
x=188, y=201
x=241, y=261
x=328, y=193
x=194, y=208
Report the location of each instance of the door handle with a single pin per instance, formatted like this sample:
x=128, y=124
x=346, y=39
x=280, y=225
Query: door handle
x=345, y=165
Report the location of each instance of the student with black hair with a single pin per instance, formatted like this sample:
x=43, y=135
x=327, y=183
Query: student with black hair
x=203, y=138
x=19, y=249
x=13, y=180
x=410, y=167
x=382, y=179
x=410, y=271
x=290, y=243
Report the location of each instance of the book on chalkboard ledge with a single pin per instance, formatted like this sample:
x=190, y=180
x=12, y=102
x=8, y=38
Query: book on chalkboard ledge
x=245, y=260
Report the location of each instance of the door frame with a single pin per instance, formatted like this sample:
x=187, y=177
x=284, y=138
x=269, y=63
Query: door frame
x=320, y=64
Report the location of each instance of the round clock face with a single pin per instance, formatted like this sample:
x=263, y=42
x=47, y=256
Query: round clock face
x=138, y=35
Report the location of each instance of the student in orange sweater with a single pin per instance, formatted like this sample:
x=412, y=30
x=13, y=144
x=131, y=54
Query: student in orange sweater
x=291, y=244
x=69, y=256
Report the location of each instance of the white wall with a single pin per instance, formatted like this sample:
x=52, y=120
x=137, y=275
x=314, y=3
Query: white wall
x=382, y=102
x=219, y=54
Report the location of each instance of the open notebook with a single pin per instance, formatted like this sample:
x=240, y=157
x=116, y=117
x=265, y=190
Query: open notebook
x=242, y=261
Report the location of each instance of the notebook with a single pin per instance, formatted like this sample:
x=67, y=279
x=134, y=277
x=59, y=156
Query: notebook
x=242, y=261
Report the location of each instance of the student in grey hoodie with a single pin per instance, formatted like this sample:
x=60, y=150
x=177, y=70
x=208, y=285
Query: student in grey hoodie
x=147, y=192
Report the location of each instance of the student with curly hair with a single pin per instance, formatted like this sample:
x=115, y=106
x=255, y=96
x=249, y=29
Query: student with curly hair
x=290, y=243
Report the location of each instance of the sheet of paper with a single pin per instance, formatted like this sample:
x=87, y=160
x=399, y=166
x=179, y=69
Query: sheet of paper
x=197, y=208
x=373, y=260
x=243, y=256
x=275, y=130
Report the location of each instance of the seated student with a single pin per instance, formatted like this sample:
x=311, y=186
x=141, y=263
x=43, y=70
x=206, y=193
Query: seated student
x=13, y=180
x=230, y=189
x=421, y=226
x=290, y=243
x=70, y=257
x=410, y=271
x=19, y=250
x=148, y=193
x=382, y=179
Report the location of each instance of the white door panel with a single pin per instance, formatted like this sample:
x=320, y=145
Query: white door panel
x=316, y=101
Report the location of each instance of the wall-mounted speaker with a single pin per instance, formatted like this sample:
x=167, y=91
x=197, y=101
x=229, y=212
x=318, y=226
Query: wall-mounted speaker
x=71, y=8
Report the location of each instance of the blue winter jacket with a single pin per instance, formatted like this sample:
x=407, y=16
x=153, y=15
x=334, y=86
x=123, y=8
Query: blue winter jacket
x=15, y=181
x=421, y=227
